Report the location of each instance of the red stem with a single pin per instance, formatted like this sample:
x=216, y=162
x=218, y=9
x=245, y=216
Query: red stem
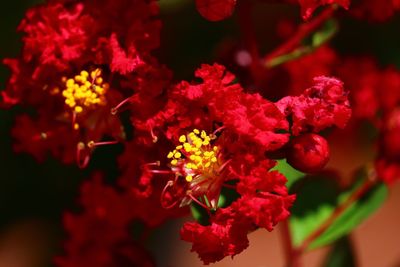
x=291, y=254
x=303, y=31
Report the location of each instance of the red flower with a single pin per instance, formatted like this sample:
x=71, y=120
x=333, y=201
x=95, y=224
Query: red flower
x=230, y=152
x=225, y=236
x=99, y=236
x=58, y=73
x=323, y=105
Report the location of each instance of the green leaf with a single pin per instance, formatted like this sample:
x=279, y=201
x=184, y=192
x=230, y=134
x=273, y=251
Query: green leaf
x=341, y=254
x=199, y=214
x=309, y=44
x=315, y=202
x=288, y=171
x=226, y=197
x=317, y=198
x=354, y=215
x=328, y=30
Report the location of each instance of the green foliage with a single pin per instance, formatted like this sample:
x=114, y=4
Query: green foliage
x=341, y=254
x=318, y=197
x=289, y=172
x=225, y=199
x=328, y=30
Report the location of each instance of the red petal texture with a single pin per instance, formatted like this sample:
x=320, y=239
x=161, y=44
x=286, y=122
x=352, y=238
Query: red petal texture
x=215, y=10
x=121, y=62
x=100, y=236
x=218, y=240
x=323, y=105
x=219, y=99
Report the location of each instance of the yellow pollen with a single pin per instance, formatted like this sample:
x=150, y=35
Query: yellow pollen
x=182, y=139
x=84, y=90
x=195, y=156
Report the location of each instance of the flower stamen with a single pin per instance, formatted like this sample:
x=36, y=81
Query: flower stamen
x=85, y=90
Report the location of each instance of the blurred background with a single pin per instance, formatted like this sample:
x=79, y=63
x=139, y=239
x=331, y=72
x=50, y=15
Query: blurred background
x=33, y=196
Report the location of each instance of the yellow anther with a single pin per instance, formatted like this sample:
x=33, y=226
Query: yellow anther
x=182, y=139
x=70, y=82
x=80, y=93
x=96, y=73
x=99, y=80
x=84, y=73
x=90, y=144
x=78, y=109
x=76, y=126
x=195, y=154
x=198, y=143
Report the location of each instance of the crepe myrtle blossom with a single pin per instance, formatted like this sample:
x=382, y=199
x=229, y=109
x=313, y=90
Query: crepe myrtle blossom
x=219, y=135
x=79, y=61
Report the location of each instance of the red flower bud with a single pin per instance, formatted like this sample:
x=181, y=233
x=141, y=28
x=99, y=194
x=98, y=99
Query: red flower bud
x=308, y=153
x=215, y=10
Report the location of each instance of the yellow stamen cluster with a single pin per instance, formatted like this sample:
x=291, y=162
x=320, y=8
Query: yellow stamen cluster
x=199, y=155
x=85, y=90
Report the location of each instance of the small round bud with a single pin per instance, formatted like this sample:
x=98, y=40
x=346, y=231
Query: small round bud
x=308, y=153
x=215, y=10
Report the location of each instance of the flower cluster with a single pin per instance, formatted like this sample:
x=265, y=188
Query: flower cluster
x=79, y=60
x=220, y=134
x=85, y=62
x=368, y=102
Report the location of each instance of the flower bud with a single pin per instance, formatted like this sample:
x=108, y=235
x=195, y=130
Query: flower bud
x=215, y=10
x=308, y=153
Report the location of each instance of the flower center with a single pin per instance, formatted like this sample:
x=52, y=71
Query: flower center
x=85, y=90
x=195, y=156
